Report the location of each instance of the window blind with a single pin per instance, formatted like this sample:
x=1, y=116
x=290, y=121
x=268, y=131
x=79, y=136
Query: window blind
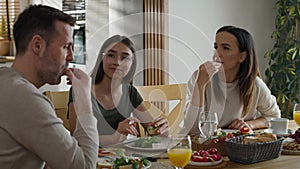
x=9, y=10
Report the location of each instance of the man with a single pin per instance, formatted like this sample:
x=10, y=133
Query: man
x=30, y=132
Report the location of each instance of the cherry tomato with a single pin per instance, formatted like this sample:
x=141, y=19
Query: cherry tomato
x=244, y=130
x=223, y=139
x=230, y=135
x=215, y=140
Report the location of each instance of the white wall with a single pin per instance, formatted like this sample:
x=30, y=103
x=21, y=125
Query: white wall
x=193, y=24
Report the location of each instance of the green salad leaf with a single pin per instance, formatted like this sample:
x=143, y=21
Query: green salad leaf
x=124, y=160
x=146, y=142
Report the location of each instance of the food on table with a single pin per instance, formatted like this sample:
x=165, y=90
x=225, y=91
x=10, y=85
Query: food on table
x=102, y=151
x=152, y=130
x=260, y=138
x=293, y=142
x=123, y=162
x=292, y=146
x=296, y=136
x=245, y=130
x=210, y=155
x=106, y=152
x=129, y=162
x=146, y=142
x=250, y=140
x=220, y=136
x=104, y=163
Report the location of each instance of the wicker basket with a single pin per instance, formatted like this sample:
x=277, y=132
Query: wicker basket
x=252, y=153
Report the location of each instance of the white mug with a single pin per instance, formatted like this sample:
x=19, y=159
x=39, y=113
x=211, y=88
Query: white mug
x=279, y=125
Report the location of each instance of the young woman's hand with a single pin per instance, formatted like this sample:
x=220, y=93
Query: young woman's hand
x=206, y=72
x=238, y=124
x=128, y=126
x=163, y=125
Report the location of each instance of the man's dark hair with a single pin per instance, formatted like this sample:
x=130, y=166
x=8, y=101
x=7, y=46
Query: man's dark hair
x=37, y=19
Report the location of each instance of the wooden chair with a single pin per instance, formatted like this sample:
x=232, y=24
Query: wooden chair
x=158, y=100
x=60, y=102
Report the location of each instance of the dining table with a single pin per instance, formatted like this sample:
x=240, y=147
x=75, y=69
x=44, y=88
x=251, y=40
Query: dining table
x=162, y=162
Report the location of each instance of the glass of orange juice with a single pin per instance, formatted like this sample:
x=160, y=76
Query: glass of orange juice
x=297, y=113
x=180, y=150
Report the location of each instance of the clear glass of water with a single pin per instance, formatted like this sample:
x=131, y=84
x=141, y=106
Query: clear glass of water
x=208, y=123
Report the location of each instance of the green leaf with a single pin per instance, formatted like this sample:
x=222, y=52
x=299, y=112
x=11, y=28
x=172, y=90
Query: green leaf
x=294, y=54
x=292, y=10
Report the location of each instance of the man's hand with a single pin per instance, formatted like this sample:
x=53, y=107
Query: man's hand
x=81, y=83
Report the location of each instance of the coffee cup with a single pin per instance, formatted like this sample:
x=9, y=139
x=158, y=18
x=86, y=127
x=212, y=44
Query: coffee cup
x=279, y=125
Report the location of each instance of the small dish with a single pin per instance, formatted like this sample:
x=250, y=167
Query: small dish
x=205, y=163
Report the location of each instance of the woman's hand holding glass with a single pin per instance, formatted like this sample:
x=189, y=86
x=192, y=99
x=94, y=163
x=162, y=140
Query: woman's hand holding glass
x=208, y=123
x=180, y=150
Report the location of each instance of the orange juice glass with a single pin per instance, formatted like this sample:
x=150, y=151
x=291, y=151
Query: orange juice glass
x=180, y=156
x=180, y=151
x=296, y=113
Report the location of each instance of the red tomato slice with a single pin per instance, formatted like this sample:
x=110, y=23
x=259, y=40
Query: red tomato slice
x=244, y=130
x=104, y=151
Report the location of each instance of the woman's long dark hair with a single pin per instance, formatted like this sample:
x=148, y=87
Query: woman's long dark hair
x=98, y=72
x=249, y=69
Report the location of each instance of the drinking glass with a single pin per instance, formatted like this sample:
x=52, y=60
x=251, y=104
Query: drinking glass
x=208, y=123
x=180, y=150
x=296, y=113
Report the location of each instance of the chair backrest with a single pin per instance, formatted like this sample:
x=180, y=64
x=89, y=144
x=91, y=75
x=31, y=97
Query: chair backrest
x=158, y=100
x=60, y=102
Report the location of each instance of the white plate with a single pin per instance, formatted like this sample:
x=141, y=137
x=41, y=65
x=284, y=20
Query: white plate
x=205, y=163
x=230, y=130
x=163, y=141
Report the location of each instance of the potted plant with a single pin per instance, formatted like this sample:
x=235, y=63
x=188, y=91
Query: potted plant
x=283, y=73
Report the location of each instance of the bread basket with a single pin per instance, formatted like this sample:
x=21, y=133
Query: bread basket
x=252, y=153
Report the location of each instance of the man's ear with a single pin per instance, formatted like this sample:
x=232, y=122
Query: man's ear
x=243, y=56
x=38, y=44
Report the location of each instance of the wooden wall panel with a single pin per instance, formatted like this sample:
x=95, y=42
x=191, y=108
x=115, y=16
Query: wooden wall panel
x=156, y=43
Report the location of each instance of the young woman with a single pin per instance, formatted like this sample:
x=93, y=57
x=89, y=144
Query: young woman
x=114, y=99
x=231, y=85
